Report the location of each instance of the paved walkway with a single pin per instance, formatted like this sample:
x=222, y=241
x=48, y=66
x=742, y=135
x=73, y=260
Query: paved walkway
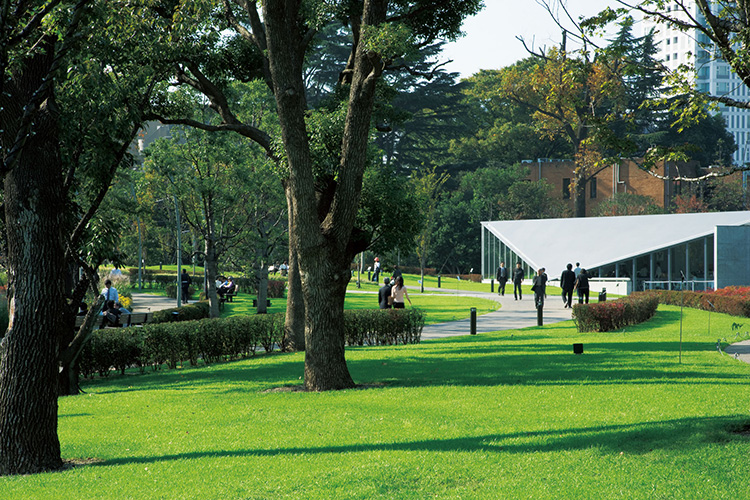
x=512, y=315
x=145, y=302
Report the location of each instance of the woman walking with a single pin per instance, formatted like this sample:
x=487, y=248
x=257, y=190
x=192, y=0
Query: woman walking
x=398, y=292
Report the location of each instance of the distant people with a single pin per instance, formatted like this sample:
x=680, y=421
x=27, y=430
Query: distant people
x=517, y=280
x=577, y=270
x=226, y=287
x=110, y=294
x=284, y=268
x=122, y=310
x=376, y=274
x=395, y=274
x=502, y=278
x=384, y=294
x=111, y=314
x=568, y=283
x=539, y=287
x=582, y=285
x=398, y=292
x=185, y=284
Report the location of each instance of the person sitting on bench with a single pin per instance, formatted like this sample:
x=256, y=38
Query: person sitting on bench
x=226, y=287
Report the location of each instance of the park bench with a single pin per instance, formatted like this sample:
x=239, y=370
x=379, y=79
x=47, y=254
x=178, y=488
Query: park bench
x=228, y=297
x=133, y=319
x=255, y=302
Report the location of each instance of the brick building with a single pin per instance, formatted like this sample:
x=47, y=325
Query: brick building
x=625, y=177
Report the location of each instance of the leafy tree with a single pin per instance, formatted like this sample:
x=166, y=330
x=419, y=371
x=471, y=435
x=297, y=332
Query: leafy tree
x=323, y=209
x=531, y=200
x=59, y=66
x=427, y=186
x=627, y=204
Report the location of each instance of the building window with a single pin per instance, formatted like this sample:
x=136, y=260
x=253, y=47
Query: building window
x=667, y=57
x=566, y=189
x=592, y=188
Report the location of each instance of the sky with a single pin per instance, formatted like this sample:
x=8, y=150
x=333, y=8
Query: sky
x=490, y=41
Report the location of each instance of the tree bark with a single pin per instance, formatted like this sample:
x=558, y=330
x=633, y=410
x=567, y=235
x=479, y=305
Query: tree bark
x=212, y=271
x=580, y=196
x=322, y=241
x=34, y=211
x=294, y=326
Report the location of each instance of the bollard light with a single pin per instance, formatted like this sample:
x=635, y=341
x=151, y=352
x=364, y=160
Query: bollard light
x=577, y=348
x=473, y=320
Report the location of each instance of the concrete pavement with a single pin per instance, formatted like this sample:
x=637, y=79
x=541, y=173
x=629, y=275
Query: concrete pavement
x=145, y=302
x=512, y=315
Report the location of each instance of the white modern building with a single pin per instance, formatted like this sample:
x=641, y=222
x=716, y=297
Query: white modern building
x=711, y=250
x=713, y=75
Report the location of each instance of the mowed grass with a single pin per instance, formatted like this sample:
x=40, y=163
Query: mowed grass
x=508, y=415
x=438, y=308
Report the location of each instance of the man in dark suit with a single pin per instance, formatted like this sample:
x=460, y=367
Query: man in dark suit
x=384, y=293
x=567, y=283
x=502, y=278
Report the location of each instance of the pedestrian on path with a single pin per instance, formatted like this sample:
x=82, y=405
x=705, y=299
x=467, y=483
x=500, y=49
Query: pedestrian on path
x=539, y=287
x=582, y=285
x=567, y=283
x=517, y=280
x=185, y=284
x=398, y=292
x=384, y=294
x=502, y=278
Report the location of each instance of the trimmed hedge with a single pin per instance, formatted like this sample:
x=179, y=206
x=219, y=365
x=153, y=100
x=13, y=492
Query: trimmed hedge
x=276, y=289
x=728, y=300
x=214, y=340
x=189, y=312
x=383, y=326
x=613, y=315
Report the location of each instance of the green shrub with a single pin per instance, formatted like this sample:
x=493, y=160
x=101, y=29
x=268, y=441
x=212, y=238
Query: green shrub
x=219, y=339
x=613, y=315
x=383, y=326
x=171, y=291
x=189, y=312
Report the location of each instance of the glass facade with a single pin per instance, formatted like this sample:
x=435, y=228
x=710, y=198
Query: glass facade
x=660, y=269
x=494, y=252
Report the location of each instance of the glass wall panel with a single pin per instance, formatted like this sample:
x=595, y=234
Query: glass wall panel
x=695, y=262
x=678, y=262
x=642, y=271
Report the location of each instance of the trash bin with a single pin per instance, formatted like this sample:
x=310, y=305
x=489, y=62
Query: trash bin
x=603, y=295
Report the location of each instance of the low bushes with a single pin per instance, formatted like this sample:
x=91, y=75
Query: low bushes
x=276, y=289
x=613, y=315
x=189, y=312
x=214, y=340
x=383, y=326
x=730, y=300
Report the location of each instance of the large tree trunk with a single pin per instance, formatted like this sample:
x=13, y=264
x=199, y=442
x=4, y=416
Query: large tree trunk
x=34, y=209
x=322, y=234
x=294, y=326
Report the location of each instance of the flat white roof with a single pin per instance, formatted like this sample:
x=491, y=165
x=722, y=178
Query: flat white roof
x=596, y=241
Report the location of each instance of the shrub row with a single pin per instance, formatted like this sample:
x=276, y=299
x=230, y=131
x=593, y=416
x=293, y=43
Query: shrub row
x=214, y=340
x=613, y=315
x=276, y=289
x=383, y=326
x=190, y=312
x=731, y=300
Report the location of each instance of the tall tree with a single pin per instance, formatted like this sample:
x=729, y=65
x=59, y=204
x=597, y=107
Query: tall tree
x=322, y=210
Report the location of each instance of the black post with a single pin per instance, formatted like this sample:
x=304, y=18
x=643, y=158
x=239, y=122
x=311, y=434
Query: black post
x=539, y=315
x=369, y=275
x=473, y=320
x=492, y=286
x=438, y=281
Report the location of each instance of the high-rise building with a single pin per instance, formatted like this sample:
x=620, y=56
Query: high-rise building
x=712, y=74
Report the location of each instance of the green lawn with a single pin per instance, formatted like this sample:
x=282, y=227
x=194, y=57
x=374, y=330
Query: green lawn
x=509, y=415
x=438, y=308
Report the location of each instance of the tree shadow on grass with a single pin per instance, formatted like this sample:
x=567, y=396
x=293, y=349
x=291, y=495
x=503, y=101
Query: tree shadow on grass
x=685, y=435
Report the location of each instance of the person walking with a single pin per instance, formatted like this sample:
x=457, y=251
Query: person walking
x=539, y=287
x=376, y=274
x=185, y=284
x=502, y=278
x=517, y=280
x=577, y=270
x=582, y=285
x=398, y=292
x=384, y=294
x=567, y=283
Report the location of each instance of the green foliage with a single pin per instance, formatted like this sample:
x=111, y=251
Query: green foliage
x=383, y=326
x=616, y=314
x=216, y=340
x=196, y=310
x=627, y=204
